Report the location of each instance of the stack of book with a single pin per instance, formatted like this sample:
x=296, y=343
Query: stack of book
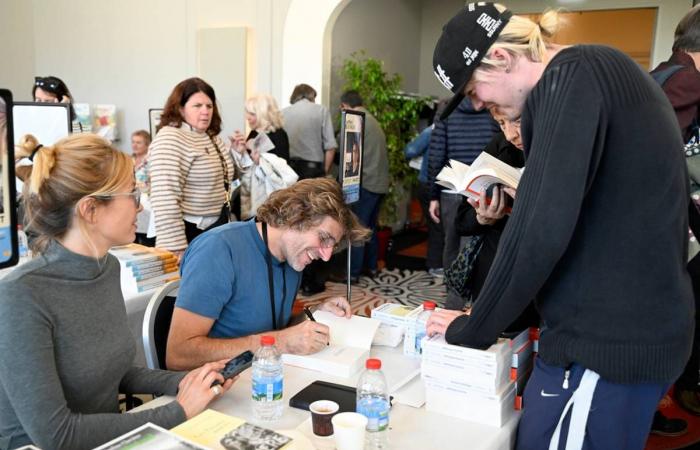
x=144, y=268
x=521, y=364
x=393, y=318
x=476, y=380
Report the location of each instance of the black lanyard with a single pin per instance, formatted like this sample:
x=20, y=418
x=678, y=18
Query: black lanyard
x=271, y=283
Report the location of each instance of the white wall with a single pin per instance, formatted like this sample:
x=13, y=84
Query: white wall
x=130, y=52
x=17, y=47
x=388, y=30
x=436, y=14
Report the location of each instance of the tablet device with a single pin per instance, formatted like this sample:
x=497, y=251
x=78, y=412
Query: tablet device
x=344, y=396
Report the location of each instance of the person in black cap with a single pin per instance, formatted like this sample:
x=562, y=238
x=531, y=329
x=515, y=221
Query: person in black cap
x=598, y=235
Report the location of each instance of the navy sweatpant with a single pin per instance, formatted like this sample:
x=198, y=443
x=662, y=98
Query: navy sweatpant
x=620, y=415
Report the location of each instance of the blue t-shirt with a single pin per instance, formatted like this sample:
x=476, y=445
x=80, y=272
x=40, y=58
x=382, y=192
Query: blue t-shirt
x=224, y=277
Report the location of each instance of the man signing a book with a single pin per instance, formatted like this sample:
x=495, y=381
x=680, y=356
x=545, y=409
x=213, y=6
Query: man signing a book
x=240, y=280
x=598, y=235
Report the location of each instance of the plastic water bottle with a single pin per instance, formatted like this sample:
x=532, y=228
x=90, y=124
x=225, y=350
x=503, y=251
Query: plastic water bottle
x=373, y=403
x=268, y=378
x=421, y=321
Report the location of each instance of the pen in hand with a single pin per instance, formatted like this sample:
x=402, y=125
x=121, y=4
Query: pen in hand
x=307, y=311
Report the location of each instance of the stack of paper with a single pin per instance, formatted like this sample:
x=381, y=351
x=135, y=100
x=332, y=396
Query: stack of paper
x=476, y=380
x=350, y=342
x=144, y=268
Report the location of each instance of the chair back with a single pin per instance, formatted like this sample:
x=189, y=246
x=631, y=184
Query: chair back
x=156, y=324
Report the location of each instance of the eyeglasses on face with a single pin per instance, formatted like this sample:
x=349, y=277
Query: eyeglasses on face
x=327, y=240
x=45, y=83
x=135, y=194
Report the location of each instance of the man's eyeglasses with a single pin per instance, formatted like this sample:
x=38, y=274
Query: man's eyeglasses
x=46, y=83
x=135, y=194
x=326, y=240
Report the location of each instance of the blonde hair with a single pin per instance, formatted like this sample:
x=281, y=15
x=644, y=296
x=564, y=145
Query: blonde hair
x=75, y=167
x=522, y=37
x=266, y=111
x=27, y=145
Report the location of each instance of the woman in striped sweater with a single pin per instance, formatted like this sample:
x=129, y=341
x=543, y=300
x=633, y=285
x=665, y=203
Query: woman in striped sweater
x=191, y=167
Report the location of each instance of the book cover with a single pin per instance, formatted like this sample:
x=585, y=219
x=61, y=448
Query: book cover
x=215, y=430
x=151, y=437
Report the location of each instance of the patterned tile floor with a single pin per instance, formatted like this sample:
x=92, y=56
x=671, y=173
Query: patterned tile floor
x=398, y=286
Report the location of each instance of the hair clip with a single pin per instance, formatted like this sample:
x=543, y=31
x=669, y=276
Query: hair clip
x=36, y=149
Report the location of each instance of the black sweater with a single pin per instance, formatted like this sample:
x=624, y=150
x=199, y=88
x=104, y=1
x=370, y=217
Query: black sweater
x=598, y=234
x=468, y=225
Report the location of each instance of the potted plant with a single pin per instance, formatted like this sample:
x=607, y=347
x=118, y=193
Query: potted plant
x=397, y=114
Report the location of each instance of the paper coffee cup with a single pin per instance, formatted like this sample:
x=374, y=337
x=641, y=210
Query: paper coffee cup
x=349, y=430
x=321, y=413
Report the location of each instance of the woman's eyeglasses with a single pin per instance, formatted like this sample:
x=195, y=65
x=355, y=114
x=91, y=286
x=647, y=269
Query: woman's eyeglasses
x=135, y=194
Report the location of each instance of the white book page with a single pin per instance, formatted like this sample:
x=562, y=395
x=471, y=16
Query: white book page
x=353, y=332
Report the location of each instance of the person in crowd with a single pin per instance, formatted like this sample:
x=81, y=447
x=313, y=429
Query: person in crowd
x=573, y=241
x=418, y=147
x=375, y=184
x=191, y=167
x=312, y=148
x=53, y=90
x=140, y=140
x=461, y=137
x=240, y=280
x=263, y=154
x=312, y=145
x=67, y=351
x=682, y=87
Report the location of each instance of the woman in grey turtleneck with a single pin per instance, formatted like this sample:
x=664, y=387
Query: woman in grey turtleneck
x=67, y=351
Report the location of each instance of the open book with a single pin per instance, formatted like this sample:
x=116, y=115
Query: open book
x=349, y=347
x=470, y=181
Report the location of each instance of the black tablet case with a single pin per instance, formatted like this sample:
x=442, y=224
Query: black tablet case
x=344, y=396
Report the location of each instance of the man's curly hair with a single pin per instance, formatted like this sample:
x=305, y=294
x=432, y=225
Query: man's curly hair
x=306, y=203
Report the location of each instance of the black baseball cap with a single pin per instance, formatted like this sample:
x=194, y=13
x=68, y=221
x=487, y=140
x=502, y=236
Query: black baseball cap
x=464, y=41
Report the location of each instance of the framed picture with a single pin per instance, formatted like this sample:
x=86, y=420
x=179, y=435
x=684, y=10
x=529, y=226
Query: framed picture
x=352, y=140
x=154, y=120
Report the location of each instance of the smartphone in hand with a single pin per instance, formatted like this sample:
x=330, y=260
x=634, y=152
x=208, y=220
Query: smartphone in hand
x=236, y=365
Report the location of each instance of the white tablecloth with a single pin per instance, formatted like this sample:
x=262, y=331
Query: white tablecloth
x=410, y=428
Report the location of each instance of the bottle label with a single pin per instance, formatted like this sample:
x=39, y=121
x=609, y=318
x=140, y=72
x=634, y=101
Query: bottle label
x=377, y=412
x=267, y=389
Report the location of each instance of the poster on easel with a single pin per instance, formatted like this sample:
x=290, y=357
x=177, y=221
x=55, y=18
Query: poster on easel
x=154, y=120
x=352, y=140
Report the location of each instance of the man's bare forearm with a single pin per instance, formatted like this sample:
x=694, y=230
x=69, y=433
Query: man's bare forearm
x=198, y=350
x=329, y=155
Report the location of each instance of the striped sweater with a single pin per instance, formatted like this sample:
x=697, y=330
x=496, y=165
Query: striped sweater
x=186, y=178
x=462, y=136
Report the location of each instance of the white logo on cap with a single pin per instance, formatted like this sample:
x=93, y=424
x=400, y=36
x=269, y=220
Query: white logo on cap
x=444, y=79
x=488, y=23
x=472, y=6
x=469, y=55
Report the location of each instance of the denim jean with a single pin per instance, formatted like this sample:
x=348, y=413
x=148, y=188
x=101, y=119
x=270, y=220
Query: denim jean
x=367, y=210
